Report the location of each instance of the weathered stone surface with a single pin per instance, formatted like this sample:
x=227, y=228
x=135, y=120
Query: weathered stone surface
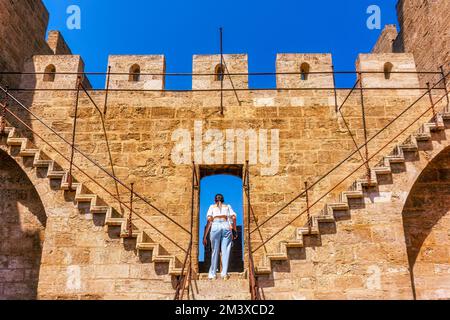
x=368, y=252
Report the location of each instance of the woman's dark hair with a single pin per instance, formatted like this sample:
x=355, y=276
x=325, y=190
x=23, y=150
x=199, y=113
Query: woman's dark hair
x=219, y=197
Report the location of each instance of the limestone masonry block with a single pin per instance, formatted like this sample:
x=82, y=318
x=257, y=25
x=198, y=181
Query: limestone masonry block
x=304, y=64
x=141, y=72
x=57, y=43
x=385, y=63
x=54, y=66
x=210, y=66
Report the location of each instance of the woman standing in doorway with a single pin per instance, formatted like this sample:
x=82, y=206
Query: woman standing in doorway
x=222, y=222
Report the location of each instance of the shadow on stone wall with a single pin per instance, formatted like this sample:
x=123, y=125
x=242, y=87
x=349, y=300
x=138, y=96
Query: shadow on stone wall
x=22, y=226
x=426, y=224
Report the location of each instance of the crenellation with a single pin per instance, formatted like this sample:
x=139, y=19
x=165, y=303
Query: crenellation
x=53, y=72
x=210, y=66
x=142, y=72
x=385, y=65
x=304, y=64
x=371, y=237
x=57, y=43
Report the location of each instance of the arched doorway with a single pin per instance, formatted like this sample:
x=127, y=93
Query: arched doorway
x=226, y=180
x=426, y=223
x=22, y=226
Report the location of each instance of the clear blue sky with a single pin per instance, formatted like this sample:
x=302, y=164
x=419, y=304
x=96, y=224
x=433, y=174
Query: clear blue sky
x=180, y=28
x=230, y=187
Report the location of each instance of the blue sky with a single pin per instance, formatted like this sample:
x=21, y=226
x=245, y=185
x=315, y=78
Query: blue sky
x=180, y=28
x=230, y=187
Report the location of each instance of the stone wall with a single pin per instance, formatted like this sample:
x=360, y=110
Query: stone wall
x=141, y=127
x=385, y=43
x=424, y=32
x=22, y=228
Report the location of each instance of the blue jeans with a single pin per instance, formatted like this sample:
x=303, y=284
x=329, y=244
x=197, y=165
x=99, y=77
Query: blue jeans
x=220, y=234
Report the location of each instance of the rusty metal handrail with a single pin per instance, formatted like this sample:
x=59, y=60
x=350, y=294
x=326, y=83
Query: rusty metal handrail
x=92, y=161
x=253, y=279
x=186, y=279
x=92, y=179
x=350, y=155
x=186, y=74
x=346, y=177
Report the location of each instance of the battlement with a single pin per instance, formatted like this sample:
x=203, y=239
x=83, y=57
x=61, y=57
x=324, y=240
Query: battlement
x=213, y=70
x=388, y=64
x=294, y=70
x=304, y=64
x=52, y=72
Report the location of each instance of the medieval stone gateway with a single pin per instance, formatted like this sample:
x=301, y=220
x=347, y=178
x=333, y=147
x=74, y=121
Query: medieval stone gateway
x=112, y=211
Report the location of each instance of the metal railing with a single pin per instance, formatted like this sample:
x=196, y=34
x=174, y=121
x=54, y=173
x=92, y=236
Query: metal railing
x=365, y=161
x=253, y=279
x=70, y=160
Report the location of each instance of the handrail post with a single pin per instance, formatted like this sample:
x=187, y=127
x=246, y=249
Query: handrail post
x=308, y=208
x=130, y=215
x=445, y=86
x=430, y=95
x=185, y=280
x=334, y=89
x=107, y=90
x=70, y=176
x=3, y=120
x=221, y=71
x=3, y=114
x=364, y=125
x=253, y=281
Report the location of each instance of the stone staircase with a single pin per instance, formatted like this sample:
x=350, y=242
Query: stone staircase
x=327, y=215
x=237, y=286
x=234, y=288
x=82, y=196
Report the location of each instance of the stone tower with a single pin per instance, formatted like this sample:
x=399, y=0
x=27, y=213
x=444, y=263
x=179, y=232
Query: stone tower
x=424, y=32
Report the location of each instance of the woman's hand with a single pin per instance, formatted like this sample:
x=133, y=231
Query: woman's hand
x=205, y=242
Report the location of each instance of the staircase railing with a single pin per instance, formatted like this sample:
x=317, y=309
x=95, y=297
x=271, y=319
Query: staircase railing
x=365, y=162
x=184, y=281
x=74, y=149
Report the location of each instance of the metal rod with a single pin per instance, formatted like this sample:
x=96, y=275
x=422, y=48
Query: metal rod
x=3, y=114
x=107, y=91
x=214, y=90
x=431, y=102
x=253, y=281
x=231, y=81
x=93, y=161
x=363, y=114
x=445, y=86
x=348, y=157
x=334, y=90
x=345, y=178
x=111, y=162
x=221, y=71
x=130, y=216
x=173, y=74
x=72, y=151
x=307, y=207
x=188, y=257
x=351, y=135
x=3, y=120
x=91, y=178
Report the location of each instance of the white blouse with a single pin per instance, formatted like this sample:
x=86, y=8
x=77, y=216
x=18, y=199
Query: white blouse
x=215, y=211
